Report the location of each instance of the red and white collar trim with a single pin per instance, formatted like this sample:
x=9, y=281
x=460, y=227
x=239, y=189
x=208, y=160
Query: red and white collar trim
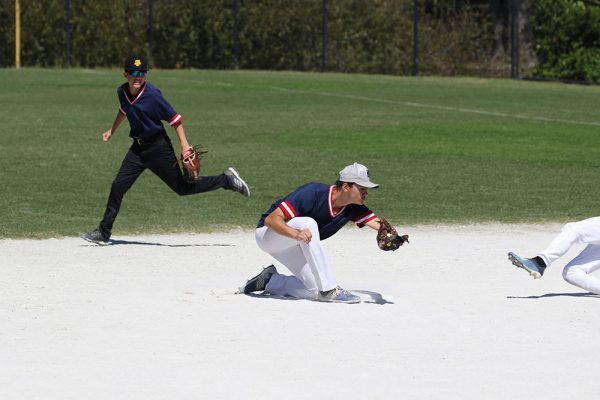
x=136, y=97
x=330, y=201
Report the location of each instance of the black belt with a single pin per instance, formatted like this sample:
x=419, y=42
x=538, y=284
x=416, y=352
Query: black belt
x=142, y=142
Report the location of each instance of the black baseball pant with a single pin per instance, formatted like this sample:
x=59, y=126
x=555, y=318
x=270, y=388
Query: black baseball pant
x=158, y=156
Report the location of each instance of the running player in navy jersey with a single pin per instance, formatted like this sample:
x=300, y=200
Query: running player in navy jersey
x=292, y=230
x=145, y=108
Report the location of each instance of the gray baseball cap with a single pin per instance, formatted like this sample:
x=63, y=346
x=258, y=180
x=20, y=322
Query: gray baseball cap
x=357, y=173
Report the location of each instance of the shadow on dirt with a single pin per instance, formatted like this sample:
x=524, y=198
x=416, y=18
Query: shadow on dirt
x=366, y=296
x=140, y=243
x=555, y=295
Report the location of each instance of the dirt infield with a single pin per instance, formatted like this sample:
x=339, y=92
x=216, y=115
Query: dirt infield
x=156, y=317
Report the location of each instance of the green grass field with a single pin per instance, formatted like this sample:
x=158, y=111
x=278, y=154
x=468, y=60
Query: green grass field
x=445, y=150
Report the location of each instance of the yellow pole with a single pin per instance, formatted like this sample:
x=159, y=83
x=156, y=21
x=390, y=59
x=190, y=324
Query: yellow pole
x=17, y=34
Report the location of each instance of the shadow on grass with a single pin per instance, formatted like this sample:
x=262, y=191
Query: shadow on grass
x=365, y=295
x=140, y=243
x=556, y=295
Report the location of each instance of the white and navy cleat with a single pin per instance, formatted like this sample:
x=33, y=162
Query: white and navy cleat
x=534, y=268
x=236, y=183
x=338, y=295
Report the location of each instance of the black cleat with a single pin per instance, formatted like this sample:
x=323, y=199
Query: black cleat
x=94, y=236
x=236, y=183
x=259, y=282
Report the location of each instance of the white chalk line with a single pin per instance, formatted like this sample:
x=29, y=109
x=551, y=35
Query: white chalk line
x=443, y=108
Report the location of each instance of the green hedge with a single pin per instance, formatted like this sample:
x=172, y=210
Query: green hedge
x=369, y=36
x=566, y=39
x=372, y=36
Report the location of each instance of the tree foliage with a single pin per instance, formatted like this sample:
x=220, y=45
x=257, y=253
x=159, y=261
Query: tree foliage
x=567, y=39
x=458, y=37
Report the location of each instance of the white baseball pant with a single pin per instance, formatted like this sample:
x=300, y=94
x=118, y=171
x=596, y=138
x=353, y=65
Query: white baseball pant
x=578, y=270
x=307, y=261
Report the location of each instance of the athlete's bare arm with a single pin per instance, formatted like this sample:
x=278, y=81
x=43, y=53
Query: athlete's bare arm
x=373, y=224
x=182, y=137
x=118, y=120
x=277, y=221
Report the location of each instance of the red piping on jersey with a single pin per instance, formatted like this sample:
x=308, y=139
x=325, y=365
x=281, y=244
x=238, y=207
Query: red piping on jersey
x=288, y=209
x=331, y=212
x=136, y=97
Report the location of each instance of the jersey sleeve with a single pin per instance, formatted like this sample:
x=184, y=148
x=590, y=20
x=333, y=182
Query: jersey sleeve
x=167, y=113
x=360, y=215
x=298, y=203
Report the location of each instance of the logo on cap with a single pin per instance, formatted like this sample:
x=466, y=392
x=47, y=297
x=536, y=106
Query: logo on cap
x=137, y=63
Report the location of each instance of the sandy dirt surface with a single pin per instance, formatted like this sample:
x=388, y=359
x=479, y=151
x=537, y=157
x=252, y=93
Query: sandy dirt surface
x=156, y=317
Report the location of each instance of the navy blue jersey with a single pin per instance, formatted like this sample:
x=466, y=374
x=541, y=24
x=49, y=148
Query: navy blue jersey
x=315, y=200
x=146, y=111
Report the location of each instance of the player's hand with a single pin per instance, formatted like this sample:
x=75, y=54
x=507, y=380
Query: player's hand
x=305, y=235
x=106, y=135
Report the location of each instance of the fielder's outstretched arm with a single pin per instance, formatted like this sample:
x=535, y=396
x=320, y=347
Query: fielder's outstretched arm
x=373, y=224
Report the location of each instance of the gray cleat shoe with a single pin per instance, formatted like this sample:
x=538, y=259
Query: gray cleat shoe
x=259, y=282
x=94, y=236
x=534, y=268
x=236, y=183
x=338, y=295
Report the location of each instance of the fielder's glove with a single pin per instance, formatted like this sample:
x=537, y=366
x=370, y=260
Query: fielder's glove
x=191, y=162
x=388, y=238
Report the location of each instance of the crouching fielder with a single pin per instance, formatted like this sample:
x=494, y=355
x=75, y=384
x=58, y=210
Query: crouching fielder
x=293, y=228
x=577, y=271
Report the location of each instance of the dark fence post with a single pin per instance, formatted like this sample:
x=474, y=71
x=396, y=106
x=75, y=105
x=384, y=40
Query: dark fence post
x=235, y=33
x=68, y=32
x=325, y=36
x=514, y=34
x=150, y=29
x=415, y=70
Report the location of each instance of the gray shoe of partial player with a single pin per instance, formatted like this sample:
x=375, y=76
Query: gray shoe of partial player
x=236, y=183
x=535, y=269
x=259, y=282
x=338, y=295
x=94, y=236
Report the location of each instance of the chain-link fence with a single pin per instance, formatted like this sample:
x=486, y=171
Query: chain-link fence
x=403, y=37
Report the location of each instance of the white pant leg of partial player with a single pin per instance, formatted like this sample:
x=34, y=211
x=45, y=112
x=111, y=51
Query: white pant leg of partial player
x=586, y=231
x=307, y=262
x=577, y=271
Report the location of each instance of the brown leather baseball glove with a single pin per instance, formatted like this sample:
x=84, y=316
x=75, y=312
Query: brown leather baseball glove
x=388, y=238
x=191, y=161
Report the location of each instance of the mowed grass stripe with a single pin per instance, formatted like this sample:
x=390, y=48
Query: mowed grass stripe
x=444, y=150
x=446, y=108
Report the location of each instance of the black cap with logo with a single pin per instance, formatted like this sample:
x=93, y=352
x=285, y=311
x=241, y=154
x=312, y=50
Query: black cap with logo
x=136, y=62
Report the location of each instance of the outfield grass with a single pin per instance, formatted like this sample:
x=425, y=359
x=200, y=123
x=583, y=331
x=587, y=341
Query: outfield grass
x=445, y=150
